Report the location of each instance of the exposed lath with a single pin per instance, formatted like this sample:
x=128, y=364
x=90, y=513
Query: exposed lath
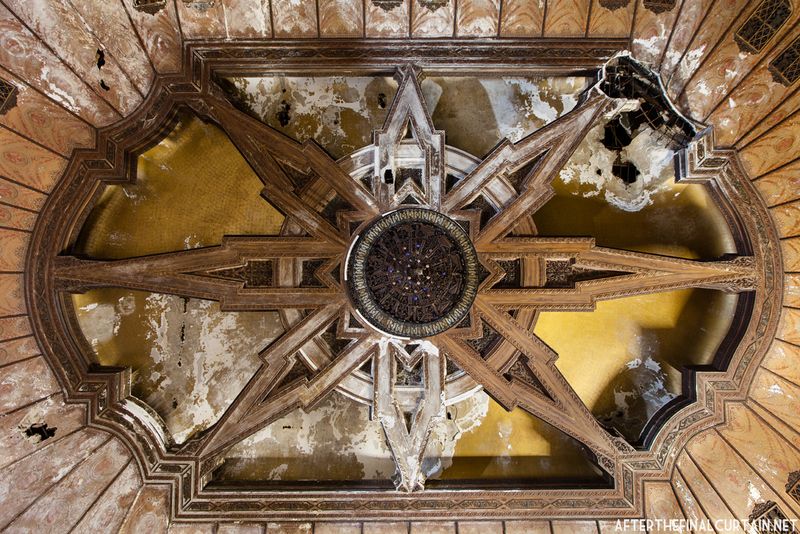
x=627, y=78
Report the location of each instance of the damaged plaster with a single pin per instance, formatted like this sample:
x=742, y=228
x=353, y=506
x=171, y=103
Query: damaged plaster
x=337, y=112
x=189, y=359
x=591, y=166
x=340, y=113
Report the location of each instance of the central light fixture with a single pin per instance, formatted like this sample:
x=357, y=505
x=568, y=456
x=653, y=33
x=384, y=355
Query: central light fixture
x=413, y=273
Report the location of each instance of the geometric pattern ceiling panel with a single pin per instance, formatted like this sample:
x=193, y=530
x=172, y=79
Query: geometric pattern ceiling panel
x=393, y=259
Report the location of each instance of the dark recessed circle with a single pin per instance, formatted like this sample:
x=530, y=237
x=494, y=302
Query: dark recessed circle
x=413, y=273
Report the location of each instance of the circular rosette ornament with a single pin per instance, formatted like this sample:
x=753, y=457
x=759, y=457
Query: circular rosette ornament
x=413, y=273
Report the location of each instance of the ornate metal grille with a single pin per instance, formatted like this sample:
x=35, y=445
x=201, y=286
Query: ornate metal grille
x=786, y=67
x=8, y=96
x=659, y=6
x=149, y=6
x=768, y=517
x=614, y=4
x=762, y=25
x=793, y=485
x=387, y=5
x=200, y=5
x=433, y=5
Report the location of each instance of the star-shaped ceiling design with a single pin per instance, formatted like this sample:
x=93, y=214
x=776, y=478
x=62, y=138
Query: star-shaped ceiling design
x=359, y=283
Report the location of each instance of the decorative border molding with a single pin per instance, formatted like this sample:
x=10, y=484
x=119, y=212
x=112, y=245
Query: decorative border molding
x=105, y=391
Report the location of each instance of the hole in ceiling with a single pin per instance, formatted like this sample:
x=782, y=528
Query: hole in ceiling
x=41, y=431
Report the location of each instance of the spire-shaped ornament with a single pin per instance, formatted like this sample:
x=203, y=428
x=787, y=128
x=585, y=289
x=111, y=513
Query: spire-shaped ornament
x=408, y=135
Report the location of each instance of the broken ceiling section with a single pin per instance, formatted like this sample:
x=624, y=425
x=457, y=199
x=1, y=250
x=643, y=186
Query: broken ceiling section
x=629, y=157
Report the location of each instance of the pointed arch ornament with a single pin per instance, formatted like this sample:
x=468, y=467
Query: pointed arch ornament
x=522, y=374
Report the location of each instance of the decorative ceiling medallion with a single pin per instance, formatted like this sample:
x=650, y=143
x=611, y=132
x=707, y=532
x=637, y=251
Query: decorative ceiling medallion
x=250, y=273
x=413, y=273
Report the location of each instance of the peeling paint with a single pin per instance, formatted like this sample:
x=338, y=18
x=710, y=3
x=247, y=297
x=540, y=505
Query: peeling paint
x=341, y=112
x=337, y=441
x=337, y=112
x=775, y=388
x=591, y=167
x=189, y=359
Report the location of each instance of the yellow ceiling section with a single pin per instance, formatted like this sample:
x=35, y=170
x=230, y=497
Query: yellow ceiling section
x=626, y=355
x=681, y=220
x=517, y=445
x=192, y=189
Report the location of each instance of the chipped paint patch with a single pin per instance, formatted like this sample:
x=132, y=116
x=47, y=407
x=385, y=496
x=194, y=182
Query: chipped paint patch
x=591, y=168
x=189, y=360
x=340, y=112
x=643, y=392
x=337, y=441
x=691, y=61
x=519, y=106
x=337, y=112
